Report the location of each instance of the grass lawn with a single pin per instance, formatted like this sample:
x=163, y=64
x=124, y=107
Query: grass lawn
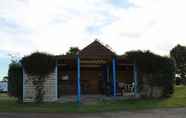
x=8, y=104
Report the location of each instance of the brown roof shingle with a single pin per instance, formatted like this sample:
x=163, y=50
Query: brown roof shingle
x=96, y=49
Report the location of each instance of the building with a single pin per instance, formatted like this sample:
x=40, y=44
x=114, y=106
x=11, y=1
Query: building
x=3, y=86
x=95, y=70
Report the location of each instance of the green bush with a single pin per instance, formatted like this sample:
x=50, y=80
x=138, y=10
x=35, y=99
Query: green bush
x=39, y=64
x=178, y=53
x=15, y=77
x=161, y=68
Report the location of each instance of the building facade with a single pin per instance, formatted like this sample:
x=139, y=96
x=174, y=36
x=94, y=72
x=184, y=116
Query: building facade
x=94, y=70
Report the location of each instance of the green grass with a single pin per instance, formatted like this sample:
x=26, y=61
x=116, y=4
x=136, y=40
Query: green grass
x=8, y=104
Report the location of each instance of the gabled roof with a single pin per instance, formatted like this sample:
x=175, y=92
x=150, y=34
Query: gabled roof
x=96, y=49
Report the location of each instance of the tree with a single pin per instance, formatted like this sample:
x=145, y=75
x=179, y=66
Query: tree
x=15, y=79
x=178, y=53
x=73, y=51
x=5, y=78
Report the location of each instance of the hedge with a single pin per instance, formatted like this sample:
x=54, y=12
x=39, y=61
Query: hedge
x=15, y=80
x=161, y=68
x=39, y=63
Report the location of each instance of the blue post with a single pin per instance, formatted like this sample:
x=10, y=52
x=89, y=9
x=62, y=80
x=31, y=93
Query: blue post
x=78, y=81
x=135, y=80
x=114, y=76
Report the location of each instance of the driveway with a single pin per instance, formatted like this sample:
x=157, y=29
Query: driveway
x=156, y=113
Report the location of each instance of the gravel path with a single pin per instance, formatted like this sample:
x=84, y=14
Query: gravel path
x=155, y=113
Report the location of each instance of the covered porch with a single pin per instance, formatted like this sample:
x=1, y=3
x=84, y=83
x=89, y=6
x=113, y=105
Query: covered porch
x=82, y=79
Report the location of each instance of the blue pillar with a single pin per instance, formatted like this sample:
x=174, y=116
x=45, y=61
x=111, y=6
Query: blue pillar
x=135, y=80
x=78, y=81
x=114, y=76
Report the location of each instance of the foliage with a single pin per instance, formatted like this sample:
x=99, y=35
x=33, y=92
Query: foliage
x=178, y=53
x=39, y=65
x=5, y=78
x=161, y=68
x=147, y=62
x=15, y=79
x=73, y=51
x=178, y=81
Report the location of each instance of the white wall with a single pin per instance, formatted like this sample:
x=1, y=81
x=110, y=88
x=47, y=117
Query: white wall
x=50, y=87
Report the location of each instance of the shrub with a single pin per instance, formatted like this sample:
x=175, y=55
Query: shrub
x=178, y=53
x=15, y=77
x=39, y=64
x=161, y=68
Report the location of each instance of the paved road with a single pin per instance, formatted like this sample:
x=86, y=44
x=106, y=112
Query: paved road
x=157, y=113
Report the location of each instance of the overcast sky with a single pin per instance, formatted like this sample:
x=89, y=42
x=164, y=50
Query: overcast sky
x=55, y=25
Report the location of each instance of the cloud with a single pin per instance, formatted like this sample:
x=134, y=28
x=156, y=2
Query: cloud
x=55, y=25
x=157, y=25
x=121, y=3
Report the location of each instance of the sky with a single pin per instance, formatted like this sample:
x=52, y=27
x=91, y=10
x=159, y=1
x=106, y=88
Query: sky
x=55, y=25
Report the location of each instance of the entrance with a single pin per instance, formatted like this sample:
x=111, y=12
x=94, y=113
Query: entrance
x=92, y=80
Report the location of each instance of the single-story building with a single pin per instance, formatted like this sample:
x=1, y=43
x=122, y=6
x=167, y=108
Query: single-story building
x=95, y=70
x=3, y=86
